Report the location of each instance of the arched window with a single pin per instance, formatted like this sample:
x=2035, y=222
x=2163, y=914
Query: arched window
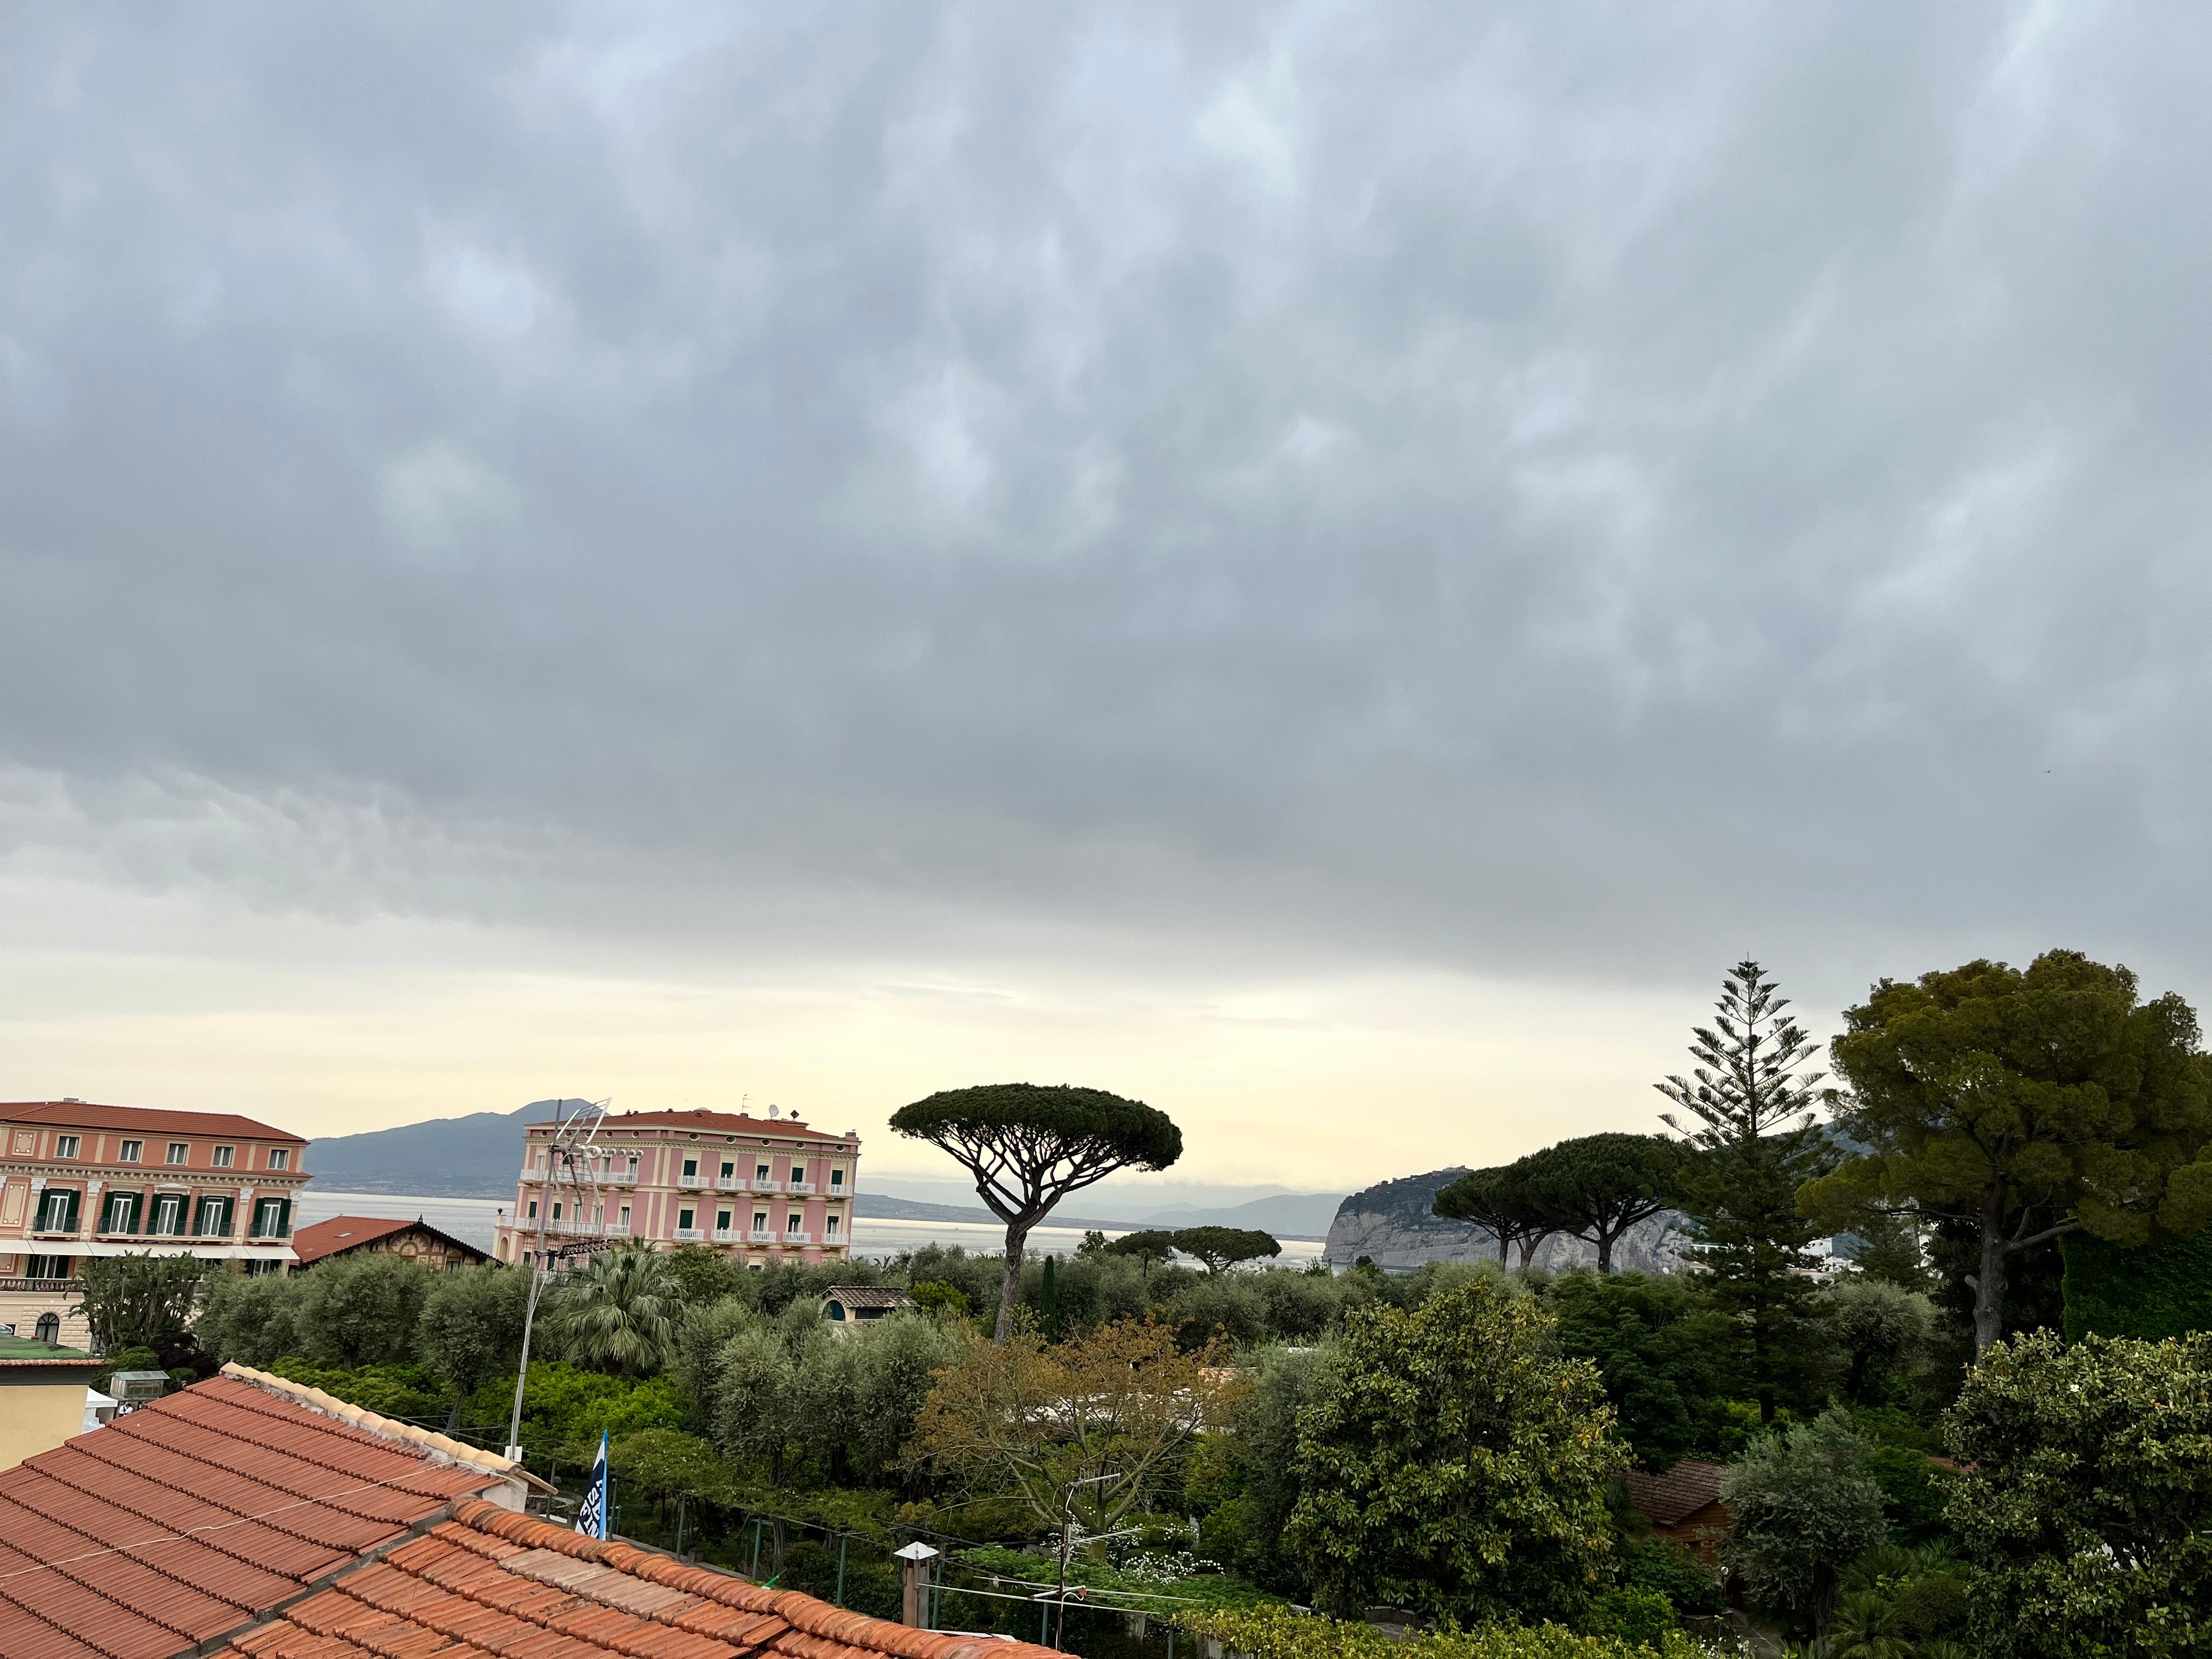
x=48, y=1328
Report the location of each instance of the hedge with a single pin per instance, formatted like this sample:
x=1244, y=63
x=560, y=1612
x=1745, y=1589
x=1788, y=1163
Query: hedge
x=2159, y=1290
x=1280, y=1633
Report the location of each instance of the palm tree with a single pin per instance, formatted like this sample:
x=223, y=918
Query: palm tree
x=618, y=1314
x=1865, y=1625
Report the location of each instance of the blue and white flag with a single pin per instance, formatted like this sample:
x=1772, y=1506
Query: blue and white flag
x=591, y=1513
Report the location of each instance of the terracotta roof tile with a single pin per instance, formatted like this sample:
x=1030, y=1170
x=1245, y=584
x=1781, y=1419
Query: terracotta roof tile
x=1681, y=1492
x=493, y=1582
x=194, y=1515
x=154, y=1120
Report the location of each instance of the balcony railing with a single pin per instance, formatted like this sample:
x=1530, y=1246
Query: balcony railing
x=726, y=1234
x=800, y=1187
x=761, y=1184
x=760, y=1235
x=691, y=1183
x=689, y=1235
x=729, y=1183
x=802, y=1238
x=617, y=1230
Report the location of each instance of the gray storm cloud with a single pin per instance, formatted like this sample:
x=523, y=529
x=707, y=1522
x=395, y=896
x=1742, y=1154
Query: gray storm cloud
x=1572, y=487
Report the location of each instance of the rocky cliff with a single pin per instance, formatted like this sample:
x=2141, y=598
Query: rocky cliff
x=1391, y=1223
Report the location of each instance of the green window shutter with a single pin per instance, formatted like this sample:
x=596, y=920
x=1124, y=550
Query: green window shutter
x=70, y=1225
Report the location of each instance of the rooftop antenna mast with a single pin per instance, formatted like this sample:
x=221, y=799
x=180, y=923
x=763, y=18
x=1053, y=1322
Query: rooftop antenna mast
x=573, y=1142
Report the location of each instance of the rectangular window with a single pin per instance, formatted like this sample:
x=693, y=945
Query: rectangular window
x=729, y=1170
x=222, y=1157
x=48, y=1267
x=684, y=1218
x=633, y=1166
x=57, y=1211
x=625, y=1215
x=836, y=1180
x=213, y=1218
x=272, y=1218
x=690, y=1167
x=66, y=1145
x=760, y=1221
x=169, y=1214
x=180, y=1150
x=280, y=1157
x=793, y=1221
x=532, y=1216
x=797, y=1171
x=119, y=1213
x=761, y=1172
x=831, y=1226
x=128, y=1152
x=722, y=1220
x=557, y=1209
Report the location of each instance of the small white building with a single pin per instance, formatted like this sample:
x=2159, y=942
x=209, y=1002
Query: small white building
x=845, y=1305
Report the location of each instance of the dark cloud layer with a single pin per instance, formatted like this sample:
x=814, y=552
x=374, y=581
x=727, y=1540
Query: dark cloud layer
x=1555, y=487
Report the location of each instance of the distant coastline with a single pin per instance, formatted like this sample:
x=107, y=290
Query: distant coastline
x=880, y=1207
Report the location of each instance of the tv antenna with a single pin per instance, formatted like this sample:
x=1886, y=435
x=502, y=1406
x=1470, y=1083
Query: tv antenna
x=575, y=1146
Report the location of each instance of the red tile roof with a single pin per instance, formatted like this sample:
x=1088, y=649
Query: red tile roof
x=718, y=1122
x=193, y=1516
x=1681, y=1492
x=353, y=1232
x=154, y=1120
x=490, y=1582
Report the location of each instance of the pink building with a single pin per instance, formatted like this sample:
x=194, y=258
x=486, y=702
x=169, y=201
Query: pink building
x=78, y=1179
x=759, y=1190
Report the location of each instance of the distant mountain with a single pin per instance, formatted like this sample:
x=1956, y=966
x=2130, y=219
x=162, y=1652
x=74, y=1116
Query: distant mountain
x=884, y=1207
x=474, y=1157
x=1286, y=1215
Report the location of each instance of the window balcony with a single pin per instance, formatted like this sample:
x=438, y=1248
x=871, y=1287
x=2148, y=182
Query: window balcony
x=726, y=1234
x=691, y=1184
x=617, y=1230
x=800, y=1187
x=761, y=1186
x=760, y=1235
x=689, y=1235
x=802, y=1238
x=729, y=1183
x=532, y=1174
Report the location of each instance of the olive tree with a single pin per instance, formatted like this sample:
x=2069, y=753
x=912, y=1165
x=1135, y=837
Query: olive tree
x=1803, y=1508
x=1027, y=1145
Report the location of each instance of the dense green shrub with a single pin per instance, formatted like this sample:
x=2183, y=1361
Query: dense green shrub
x=565, y=1409
x=1453, y=1462
x=2087, y=1500
x=2162, y=1289
x=1279, y=1633
x=1666, y=1568
x=1664, y=1353
x=402, y=1391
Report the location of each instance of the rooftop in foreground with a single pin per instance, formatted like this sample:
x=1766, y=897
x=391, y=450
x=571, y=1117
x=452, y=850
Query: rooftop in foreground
x=490, y=1582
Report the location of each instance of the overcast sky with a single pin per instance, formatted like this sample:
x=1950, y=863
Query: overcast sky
x=1329, y=567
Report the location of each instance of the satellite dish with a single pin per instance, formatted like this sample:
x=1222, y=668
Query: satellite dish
x=776, y=1111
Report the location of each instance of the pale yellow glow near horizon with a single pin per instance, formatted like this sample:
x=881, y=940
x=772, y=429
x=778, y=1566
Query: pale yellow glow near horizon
x=1314, y=1082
